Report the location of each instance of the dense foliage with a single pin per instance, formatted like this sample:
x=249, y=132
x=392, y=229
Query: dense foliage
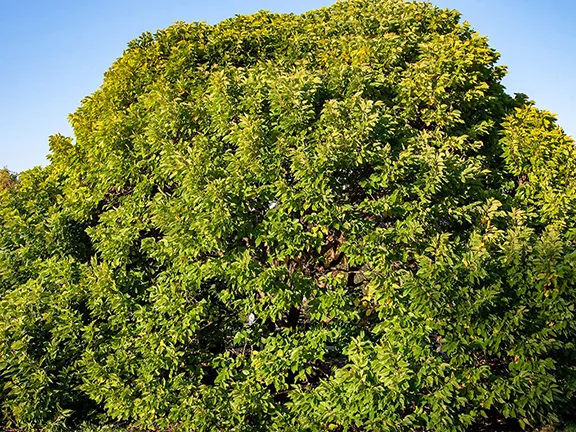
x=333, y=221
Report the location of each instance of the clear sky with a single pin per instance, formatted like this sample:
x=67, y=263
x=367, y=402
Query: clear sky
x=53, y=53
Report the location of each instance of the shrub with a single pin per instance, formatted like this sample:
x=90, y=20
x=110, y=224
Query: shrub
x=333, y=221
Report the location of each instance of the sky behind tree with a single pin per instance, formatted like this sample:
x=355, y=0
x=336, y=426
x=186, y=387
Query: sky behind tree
x=53, y=54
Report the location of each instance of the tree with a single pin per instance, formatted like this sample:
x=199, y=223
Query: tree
x=7, y=179
x=333, y=221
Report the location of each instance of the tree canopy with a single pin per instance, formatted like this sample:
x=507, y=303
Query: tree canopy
x=331, y=221
x=8, y=179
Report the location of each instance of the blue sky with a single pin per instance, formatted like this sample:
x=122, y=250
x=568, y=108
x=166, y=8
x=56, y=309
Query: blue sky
x=53, y=53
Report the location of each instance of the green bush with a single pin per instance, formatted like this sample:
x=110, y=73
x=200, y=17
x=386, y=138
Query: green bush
x=333, y=221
